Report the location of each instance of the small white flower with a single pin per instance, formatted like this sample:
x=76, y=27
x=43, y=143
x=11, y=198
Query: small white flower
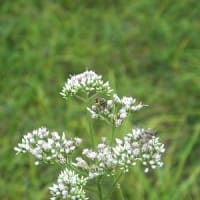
x=123, y=114
x=109, y=103
x=37, y=163
x=118, y=122
x=146, y=170
x=81, y=163
x=89, y=153
x=116, y=98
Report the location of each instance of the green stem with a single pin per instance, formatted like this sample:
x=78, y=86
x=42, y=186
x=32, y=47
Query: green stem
x=119, y=190
x=112, y=134
x=93, y=96
x=113, y=128
x=89, y=189
x=91, y=135
x=99, y=189
x=90, y=128
x=80, y=98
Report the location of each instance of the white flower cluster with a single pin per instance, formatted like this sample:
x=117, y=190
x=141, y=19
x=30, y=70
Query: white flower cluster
x=47, y=146
x=69, y=186
x=100, y=161
x=86, y=82
x=139, y=145
x=115, y=110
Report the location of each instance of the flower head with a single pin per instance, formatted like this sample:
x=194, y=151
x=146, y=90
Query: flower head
x=139, y=145
x=115, y=110
x=97, y=162
x=87, y=82
x=69, y=186
x=47, y=146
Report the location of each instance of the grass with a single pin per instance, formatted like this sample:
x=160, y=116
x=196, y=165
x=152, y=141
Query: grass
x=148, y=49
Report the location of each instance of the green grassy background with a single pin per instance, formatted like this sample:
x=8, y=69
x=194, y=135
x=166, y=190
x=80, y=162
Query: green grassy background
x=147, y=49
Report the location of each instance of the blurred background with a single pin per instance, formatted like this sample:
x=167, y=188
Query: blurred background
x=146, y=49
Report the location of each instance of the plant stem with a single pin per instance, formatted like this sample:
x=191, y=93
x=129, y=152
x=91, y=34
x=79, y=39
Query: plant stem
x=112, y=134
x=119, y=190
x=113, y=129
x=99, y=189
x=80, y=98
x=90, y=128
x=91, y=135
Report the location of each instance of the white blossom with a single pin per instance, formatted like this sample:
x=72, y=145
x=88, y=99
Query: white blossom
x=86, y=82
x=47, y=146
x=69, y=186
x=98, y=161
x=81, y=163
x=139, y=145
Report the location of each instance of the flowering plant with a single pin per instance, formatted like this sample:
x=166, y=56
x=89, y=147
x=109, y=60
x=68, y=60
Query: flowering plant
x=112, y=157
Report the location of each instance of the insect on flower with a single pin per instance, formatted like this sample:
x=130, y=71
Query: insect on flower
x=100, y=103
x=150, y=132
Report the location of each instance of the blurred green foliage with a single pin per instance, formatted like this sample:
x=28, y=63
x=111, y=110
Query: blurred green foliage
x=147, y=49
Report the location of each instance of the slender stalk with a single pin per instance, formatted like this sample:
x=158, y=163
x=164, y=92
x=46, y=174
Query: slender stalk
x=99, y=189
x=90, y=128
x=113, y=129
x=93, y=96
x=89, y=189
x=80, y=98
x=91, y=135
x=119, y=190
x=112, y=134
